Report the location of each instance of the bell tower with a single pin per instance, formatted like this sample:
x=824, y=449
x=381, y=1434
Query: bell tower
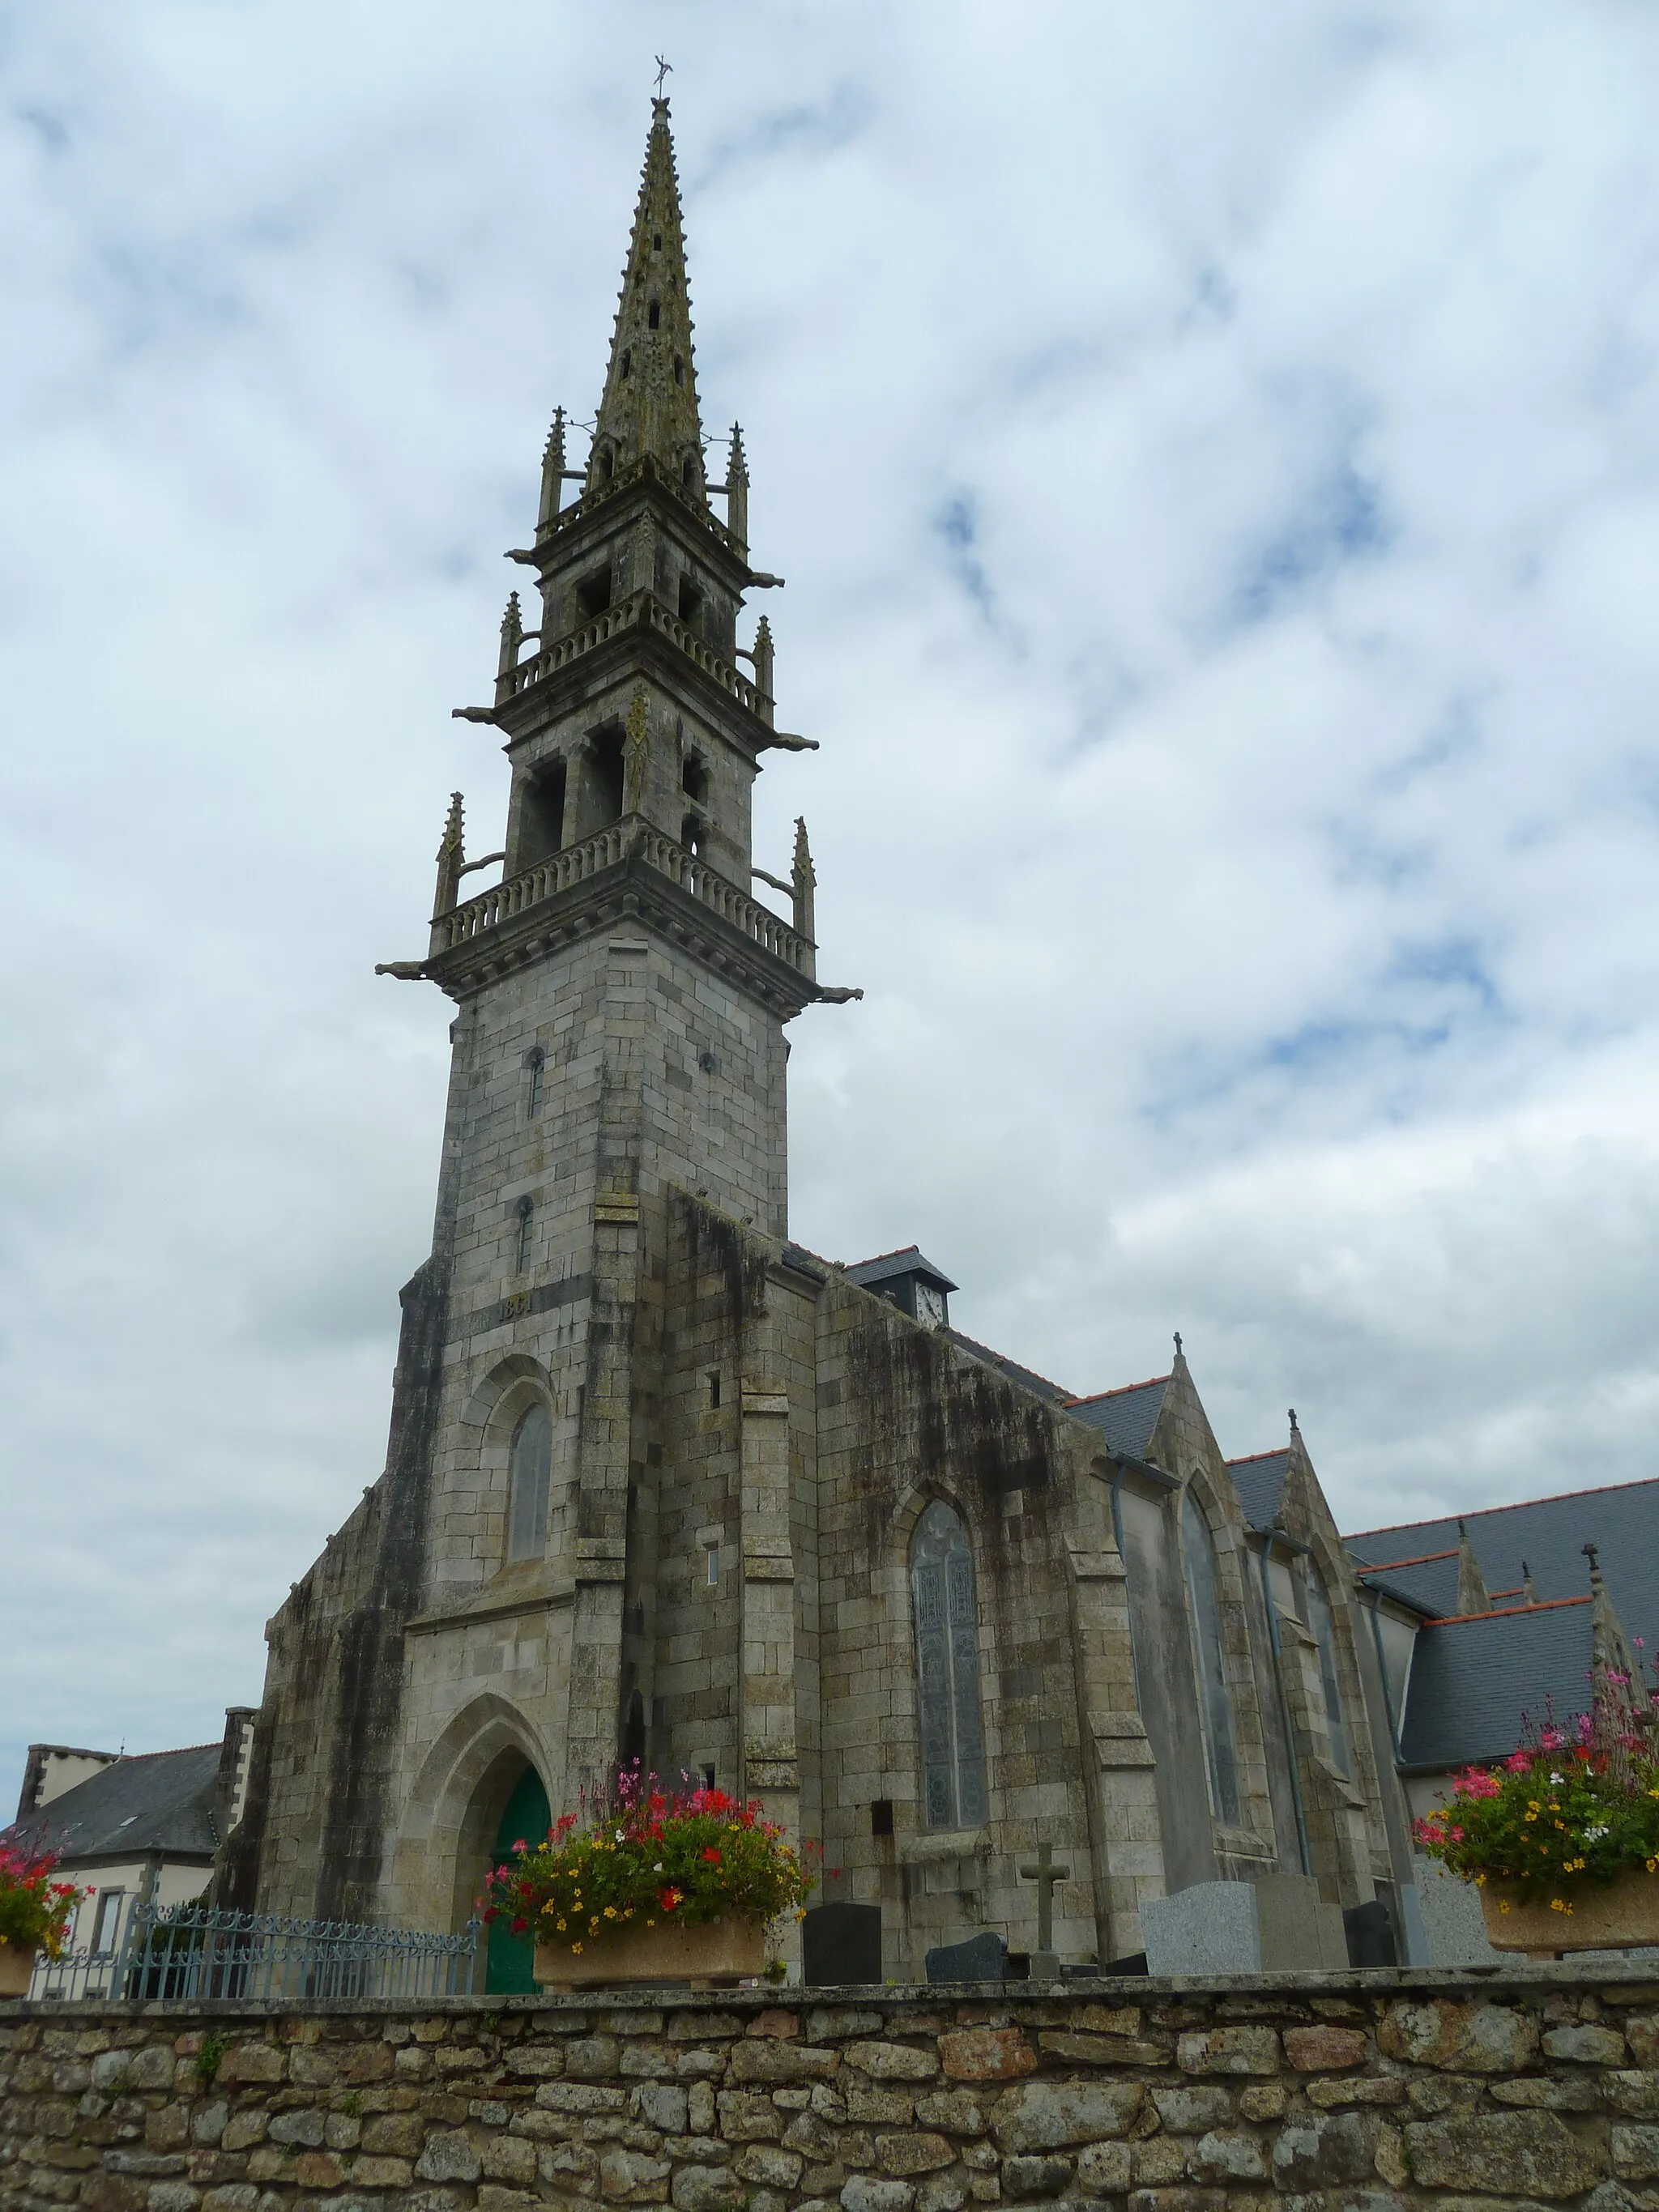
x=635, y=738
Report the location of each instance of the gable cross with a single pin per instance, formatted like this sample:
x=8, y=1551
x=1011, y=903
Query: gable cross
x=1045, y=1873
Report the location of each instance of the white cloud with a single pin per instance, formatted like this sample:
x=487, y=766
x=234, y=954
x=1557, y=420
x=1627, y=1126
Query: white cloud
x=1215, y=461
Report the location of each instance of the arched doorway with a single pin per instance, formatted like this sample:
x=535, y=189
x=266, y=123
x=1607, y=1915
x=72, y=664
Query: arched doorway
x=527, y=1818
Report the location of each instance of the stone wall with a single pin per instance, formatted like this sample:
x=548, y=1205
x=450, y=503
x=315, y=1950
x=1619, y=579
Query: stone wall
x=1320, y=2093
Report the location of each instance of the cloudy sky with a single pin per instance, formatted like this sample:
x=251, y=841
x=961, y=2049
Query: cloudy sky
x=1214, y=454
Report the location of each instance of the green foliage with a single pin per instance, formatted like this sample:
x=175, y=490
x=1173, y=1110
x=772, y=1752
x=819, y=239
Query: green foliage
x=352, y=2104
x=209, y=2059
x=1570, y=1807
x=649, y=1856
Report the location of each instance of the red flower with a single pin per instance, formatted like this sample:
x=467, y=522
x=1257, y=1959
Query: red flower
x=711, y=1855
x=668, y=1899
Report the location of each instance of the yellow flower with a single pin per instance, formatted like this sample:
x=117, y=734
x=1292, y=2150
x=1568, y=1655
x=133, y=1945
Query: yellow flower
x=610, y=1911
x=575, y=1947
x=561, y=1927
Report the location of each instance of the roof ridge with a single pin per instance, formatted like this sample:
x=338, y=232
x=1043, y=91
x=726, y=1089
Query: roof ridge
x=1007, y=1359
x=1504, y=1612
x=1245, y=1459
x=1122, y=1390
x=898, y=1253
x=1480, y=1512
x=1420, y=1559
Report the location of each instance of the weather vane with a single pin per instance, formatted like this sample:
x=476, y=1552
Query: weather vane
x=664, y=68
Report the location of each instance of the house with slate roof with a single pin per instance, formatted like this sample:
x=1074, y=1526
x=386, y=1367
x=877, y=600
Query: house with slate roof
x=146, y=1828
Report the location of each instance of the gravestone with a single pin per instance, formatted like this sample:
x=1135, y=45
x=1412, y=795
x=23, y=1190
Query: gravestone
x=982, y=1958
x=1210, y=1929
x=1300, y=1934
x=1370, y=1935
x=841, y=1943
x=1276, y=1925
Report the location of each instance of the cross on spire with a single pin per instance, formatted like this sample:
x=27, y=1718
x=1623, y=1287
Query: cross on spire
x=664, y=68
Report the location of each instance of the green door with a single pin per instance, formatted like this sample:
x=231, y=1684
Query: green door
x=527, y=1816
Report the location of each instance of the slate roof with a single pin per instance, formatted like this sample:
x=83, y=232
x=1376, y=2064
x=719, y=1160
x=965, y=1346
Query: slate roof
x=1547, y=1533
x=1259, y=1482
x=159, y=1800
x=1038, y=1385
x=1473, y=1679
x=886, y=1266
x=1125, y=1417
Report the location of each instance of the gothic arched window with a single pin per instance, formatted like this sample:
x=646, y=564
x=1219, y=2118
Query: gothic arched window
x=1322, y=1621
x=531, y=1466
x=947, y=1672
x=1214, y=1706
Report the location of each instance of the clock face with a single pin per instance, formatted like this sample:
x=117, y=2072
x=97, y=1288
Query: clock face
x=930, y=1305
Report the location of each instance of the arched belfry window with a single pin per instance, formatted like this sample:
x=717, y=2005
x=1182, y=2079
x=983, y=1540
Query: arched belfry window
x=532, y=1460
x=1322, y=1621
x=947, y=1671
x=1204, y=1612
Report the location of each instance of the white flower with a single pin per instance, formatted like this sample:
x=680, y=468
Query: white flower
x=1558, y=1778
x=620, y=1838
x=658, y=1868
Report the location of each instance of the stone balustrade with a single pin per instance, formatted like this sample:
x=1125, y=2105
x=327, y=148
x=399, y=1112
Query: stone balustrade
x=628, y=614
x=1375, y=2092
x=631, y=836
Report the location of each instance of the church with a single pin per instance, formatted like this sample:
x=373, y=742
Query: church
x=663, y=1486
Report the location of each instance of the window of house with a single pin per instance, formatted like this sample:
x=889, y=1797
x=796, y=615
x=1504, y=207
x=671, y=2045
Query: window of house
x=694, y=779
x=106, y=1927
x=1322, y=1621
x=1209, y=1662
x=690, y=600
x=531, y=1467
x=523, y=1236
x=537, y=1066
x=946, y=1620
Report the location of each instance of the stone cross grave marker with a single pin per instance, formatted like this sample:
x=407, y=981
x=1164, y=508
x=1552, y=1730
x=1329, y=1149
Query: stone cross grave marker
x=1045, y=1966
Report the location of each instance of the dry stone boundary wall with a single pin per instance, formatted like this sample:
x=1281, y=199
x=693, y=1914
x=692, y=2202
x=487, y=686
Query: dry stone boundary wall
x=1346, y=2092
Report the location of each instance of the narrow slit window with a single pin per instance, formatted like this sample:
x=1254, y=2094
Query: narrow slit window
x=532, y=1468
x=946, y=1621
x=713, y=1569
x=1214, y=1703
x=524, y=1235
x=679, y=369
x=627, y=362
x=714, y=1390
x=537, y=1066
x=688, y=471
x=1322, y=1621
x=653, y=315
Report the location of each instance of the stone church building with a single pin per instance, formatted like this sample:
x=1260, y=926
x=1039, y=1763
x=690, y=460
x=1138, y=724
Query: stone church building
x=662, y=1484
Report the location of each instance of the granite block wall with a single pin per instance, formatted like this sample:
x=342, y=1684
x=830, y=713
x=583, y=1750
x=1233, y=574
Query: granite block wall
x=1352, y=2092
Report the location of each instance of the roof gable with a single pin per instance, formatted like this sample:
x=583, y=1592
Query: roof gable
x=1547, y=1533
x=159, y=1800
x=1259, y=1482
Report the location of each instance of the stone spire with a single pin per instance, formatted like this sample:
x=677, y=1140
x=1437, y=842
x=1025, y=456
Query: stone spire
x=650, y=403
x=736, y=494
x=803, y=883
x=451, y=860
x=1472, y=1593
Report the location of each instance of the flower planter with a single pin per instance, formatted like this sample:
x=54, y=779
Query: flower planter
x=17, y=1969
x=673, y=1951
x=1623, y=1915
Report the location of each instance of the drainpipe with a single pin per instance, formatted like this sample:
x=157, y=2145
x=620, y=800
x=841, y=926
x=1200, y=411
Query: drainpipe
x=1284, y=1702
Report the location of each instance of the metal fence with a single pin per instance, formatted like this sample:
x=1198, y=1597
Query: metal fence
x=188, y=1951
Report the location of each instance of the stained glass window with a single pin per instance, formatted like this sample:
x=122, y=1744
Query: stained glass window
x=1322, y=1621
x=1214, y=1706
x=947, y=1672
x=532, y=1461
